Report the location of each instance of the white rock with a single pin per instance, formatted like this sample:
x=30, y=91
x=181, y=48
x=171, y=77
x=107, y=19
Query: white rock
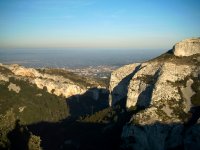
x=21, y=109
x=155, y=85
x=187, y=94
x=4, y=78
x=59, y=88
x=14, y=87
x=119, y=82
x=139, y=90
x=162, y=87
x=187, y=47
x=55, y=84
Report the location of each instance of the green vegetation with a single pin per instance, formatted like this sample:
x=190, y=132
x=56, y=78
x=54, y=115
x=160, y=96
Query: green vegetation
x=38, y=104
x=7, y=123
x=195, y=99
x=162, y=114
x=13, y=135
x=103, y=116
x=110, y=115
x=47, y=115
x=180, y=83
x=81, y=81
x=170, y=57
x=178, y=107
x=34, y=143
x=148, y=79
x=5, y=71
x=104, y=82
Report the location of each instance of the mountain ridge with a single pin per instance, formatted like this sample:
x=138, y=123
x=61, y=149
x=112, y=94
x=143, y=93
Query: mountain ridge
x=166, y=93
x=153, y=105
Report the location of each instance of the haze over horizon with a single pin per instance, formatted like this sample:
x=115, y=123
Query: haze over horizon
x=155, y=24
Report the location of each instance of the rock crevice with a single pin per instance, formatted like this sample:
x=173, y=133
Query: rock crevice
x=163, y=87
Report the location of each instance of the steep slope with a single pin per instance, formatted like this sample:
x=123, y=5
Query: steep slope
x=28, y=102
x=54, y=97
x=166, y=93
x=55, y=84
x=32, y=89
x=155, y=105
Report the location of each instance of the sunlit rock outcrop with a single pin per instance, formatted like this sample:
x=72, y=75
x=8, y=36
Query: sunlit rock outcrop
x=59, y=88
x=119, y=81
x=53, y=83
x=162, y=86
x=164, y=91
x=187, y=47
x=14, y=87
x=4, y=78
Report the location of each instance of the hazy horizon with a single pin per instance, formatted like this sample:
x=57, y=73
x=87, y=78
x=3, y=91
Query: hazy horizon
x=97, y=23
x=74, y=58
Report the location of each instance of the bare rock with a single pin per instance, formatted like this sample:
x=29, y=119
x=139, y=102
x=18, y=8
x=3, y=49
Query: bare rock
x=162, y=87
x=21, y=109
x=14, y=87
x=55, y=84
x=187, y=47
x=161, y=137
x=161, y=91
x=4, y=78
x=119, y=81
x=23, y=71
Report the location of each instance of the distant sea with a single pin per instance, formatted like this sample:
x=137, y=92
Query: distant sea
x=75, y=58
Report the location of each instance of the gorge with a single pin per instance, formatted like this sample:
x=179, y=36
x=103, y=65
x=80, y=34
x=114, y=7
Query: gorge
x=149, y=105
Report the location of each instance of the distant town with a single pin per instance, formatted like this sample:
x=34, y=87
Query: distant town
x=94, y=71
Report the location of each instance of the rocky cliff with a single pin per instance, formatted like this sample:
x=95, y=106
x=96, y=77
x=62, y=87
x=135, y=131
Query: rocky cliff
x=187, y=47
x=163, y=90
x=55, y=82
x=32, y=101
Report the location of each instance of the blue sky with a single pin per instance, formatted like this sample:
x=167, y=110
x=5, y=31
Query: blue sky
x=152, y=24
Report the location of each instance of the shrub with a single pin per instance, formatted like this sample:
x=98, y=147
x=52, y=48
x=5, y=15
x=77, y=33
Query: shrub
x=34, y=143
x=7, y=123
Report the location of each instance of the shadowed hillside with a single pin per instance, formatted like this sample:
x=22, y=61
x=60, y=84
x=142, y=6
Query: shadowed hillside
x=150, y=105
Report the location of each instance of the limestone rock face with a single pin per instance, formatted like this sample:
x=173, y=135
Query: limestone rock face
x=187, y=47
x=119, y=81
x=59, y=88
x=54, y=84
x=161, y=137
x=14, y=87
x=4, y=78
x=164, y=91
x=163, y=86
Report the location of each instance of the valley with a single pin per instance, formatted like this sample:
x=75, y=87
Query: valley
x=149, y=105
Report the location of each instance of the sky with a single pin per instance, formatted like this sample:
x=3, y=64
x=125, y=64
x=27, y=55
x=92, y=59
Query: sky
x=138, y=24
